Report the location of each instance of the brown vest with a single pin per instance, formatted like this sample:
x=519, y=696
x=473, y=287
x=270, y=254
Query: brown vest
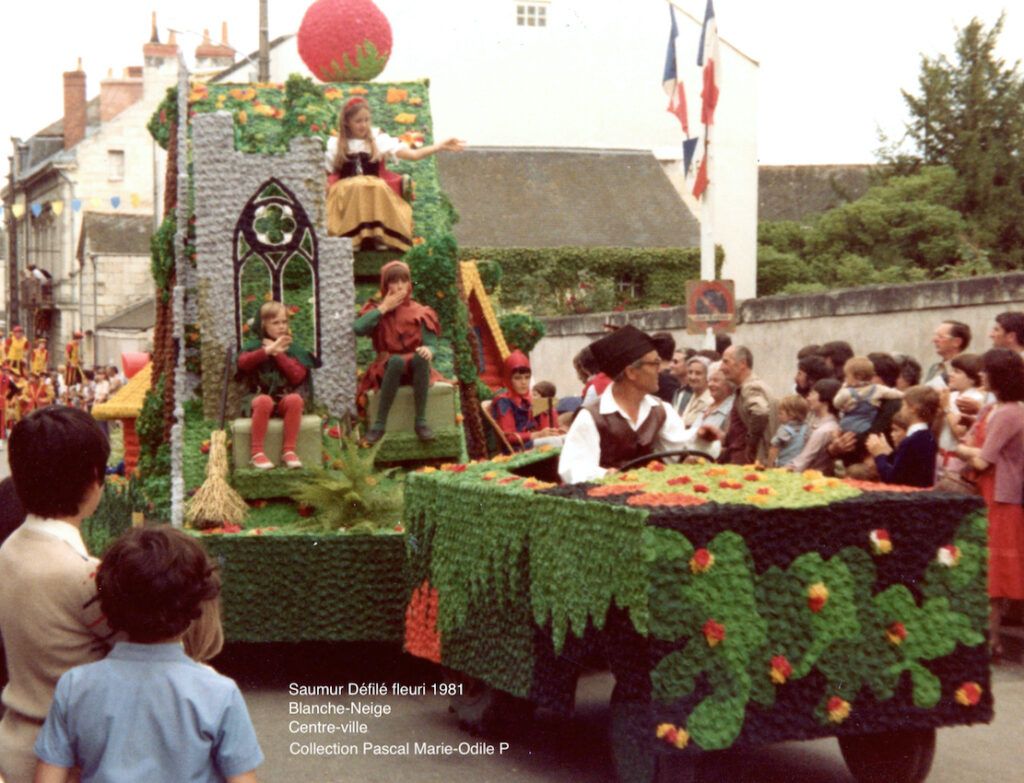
x=619, y=443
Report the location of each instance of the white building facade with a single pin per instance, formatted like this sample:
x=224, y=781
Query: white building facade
x=573, y=74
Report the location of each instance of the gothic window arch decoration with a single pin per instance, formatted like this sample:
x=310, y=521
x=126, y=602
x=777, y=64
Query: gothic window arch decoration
x=275, y=241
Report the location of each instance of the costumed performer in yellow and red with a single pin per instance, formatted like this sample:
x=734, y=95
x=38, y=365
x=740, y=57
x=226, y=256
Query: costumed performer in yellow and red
x=16, y=351
x=40, y=357
x=73, y=361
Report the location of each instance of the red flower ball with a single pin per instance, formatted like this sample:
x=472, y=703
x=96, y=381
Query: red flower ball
x=344, y=40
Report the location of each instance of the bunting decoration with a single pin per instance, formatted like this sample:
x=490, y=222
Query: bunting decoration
x=57, y=206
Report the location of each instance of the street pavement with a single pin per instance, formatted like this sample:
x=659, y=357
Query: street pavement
x=551, y=748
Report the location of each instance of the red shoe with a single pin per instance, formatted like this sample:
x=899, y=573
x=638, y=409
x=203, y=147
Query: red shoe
x=291, y=460
x=260, y=462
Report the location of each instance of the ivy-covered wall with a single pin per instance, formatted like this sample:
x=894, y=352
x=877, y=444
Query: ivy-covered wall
x=571, y=280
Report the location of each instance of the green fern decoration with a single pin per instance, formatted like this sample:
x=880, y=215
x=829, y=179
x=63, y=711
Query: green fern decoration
x=354, y=496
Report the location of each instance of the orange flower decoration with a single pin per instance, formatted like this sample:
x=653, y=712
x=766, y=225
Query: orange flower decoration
x=969, y=694
x=396, y=96
x=817, y=597
x=838, y=709
x=896, y=633
x=714, y=632
x=701, y=561
x=673, y=735
x=664, y=499
x=605, y=490
x=781, y=669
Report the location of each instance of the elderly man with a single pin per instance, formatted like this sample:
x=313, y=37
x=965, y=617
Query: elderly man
x=1008, y=332
x=752, y=420
x=627, y=421
x=951, y=338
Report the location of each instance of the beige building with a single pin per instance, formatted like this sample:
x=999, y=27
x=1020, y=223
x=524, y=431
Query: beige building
x=89, y=190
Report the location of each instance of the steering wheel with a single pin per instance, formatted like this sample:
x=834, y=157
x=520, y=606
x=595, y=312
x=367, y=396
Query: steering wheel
x=662, y=454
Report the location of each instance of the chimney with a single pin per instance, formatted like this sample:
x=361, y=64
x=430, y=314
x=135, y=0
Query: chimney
x=215, y=57
x=156, y=53
x=117, y=94
x=74, y=106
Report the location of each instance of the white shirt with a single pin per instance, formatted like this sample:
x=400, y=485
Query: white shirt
x=387, y=146
x=917, y=427
x=581, y=455
x=57, y=528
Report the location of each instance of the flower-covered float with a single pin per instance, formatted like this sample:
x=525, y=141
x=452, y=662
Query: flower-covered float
x=735, y=606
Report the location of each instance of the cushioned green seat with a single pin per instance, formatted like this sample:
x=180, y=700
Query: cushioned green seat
x=309, y=446
x=400, y=444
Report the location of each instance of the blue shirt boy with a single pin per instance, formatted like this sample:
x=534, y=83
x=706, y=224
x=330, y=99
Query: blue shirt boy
x=148, y=712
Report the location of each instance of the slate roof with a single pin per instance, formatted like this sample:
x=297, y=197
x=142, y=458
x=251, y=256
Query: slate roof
x=540, y=197
x=801, y=192
x=112, y=233
x=48, y=144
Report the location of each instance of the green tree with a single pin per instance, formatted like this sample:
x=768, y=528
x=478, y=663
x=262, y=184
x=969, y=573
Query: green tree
x=968, y=114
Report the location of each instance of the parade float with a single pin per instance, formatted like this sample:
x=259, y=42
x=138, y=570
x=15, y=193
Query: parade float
x=734, y=606
x=245, y=223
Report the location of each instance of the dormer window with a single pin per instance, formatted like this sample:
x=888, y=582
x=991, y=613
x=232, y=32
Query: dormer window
x=532, y=14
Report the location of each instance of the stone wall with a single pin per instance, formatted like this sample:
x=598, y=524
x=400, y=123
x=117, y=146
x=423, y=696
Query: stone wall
x=897, y=319
x=224, y=182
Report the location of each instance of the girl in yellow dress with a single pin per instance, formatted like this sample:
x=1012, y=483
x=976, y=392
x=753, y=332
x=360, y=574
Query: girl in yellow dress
x=361, y=204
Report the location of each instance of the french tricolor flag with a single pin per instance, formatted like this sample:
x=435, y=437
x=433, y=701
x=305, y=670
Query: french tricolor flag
x=709, y=63
x=671, y=80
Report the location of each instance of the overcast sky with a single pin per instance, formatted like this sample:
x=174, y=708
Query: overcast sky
x=802, y=117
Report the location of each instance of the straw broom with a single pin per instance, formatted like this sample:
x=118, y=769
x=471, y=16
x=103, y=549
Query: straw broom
x=216, y=501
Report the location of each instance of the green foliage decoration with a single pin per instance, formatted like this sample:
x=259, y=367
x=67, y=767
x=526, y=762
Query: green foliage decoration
x=162, y=254
x=164, y=118
x=521, y=330
x=353, y=495
x=121, y=497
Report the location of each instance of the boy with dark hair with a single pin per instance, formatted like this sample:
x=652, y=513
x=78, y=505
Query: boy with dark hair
x=50, y=619
x=147, y=712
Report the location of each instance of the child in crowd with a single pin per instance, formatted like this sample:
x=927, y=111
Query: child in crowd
x=148, y=712
x=913, y=462
x=50, y=619
x=278, y=376
x=405, y=335
x=362, y=202
x=858, y=400
x=822, y=426
x=900, y=424
x=545, y=404
x=513, y=408
x=964, y=383
x=594, y=381
x=791, y=435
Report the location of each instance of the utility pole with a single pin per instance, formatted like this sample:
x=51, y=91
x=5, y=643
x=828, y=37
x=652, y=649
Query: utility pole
x=12, y=249
x=264, y=64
